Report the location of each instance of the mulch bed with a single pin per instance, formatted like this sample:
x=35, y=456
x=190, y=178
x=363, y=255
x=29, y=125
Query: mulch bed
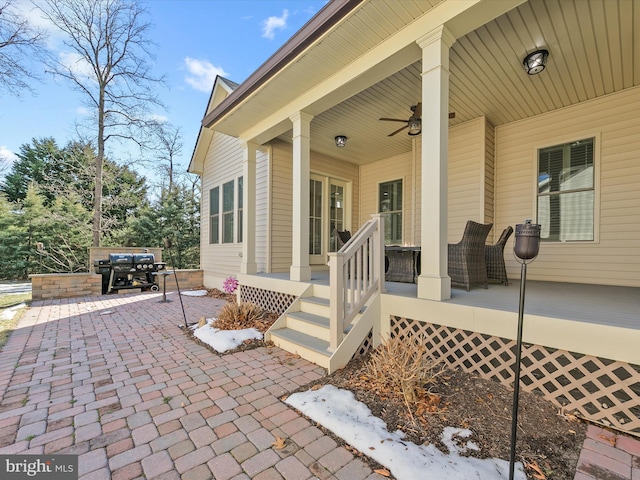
x=549, y=440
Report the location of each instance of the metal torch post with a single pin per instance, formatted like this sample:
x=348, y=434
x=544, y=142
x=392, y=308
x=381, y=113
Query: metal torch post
x=526, y=248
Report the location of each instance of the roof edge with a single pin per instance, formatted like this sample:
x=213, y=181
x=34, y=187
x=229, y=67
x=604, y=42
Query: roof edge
x=319, y=24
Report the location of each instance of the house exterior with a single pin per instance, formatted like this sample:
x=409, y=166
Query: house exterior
x=495, y=145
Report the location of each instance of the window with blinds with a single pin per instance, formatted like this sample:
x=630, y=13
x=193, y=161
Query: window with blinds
x=390, y=204
x=566, y=195
x=228, y=201
x=225, y=212
x=214, y=215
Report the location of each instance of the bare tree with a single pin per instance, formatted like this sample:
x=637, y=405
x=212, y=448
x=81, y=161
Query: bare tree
x=169, y=146
x=110, y=64
x=20, y=42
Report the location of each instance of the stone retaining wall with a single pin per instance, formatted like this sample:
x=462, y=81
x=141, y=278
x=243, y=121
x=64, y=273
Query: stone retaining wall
x=65, y=285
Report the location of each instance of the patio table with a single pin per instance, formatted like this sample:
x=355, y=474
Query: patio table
x=402, y=263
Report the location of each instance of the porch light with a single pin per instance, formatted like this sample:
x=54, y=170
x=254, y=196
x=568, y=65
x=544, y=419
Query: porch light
x=535, y=62
x=341, y=141
x=415, y=126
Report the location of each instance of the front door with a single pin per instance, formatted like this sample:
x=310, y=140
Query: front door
x=328, y=208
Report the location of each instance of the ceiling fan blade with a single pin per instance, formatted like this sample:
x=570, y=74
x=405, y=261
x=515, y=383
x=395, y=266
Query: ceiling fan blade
x=397, y=131
x=418, y=110
x=392, y=119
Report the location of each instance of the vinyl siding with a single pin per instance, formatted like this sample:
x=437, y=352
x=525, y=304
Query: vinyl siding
x=467, y=174
x=614, y=258
x=394, y=168
x=281, y=204
x=263, y=174
x=470, y=161
x=282, y=200
x=222, y=164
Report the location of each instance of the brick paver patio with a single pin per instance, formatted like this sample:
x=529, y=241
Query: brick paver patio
x=113, y=380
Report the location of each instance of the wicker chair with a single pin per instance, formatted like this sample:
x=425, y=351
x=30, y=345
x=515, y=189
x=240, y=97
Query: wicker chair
x=466, y=259
x=494, y=258
x=342, y=237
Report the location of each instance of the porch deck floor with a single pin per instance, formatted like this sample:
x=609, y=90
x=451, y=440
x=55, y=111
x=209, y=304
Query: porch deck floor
x=599, y=304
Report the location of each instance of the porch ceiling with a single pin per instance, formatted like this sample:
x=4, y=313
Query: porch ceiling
x=594, y=50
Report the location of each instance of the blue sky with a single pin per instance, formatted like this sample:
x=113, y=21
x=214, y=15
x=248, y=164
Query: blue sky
x=196, y=39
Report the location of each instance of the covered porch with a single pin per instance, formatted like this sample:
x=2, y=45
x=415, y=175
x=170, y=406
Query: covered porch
x=580, y=349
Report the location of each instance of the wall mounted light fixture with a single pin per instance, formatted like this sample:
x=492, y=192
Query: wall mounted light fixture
x=415, y=125
x=535, y=62
x=341, y=141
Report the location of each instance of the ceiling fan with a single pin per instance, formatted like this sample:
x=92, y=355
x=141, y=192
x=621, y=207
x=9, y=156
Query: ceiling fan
x=413, y=123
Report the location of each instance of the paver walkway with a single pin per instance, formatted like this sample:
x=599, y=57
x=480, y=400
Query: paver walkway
x=607, y=456
x=115, y=381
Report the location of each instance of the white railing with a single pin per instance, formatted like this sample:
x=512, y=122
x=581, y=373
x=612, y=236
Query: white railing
x=356, y=272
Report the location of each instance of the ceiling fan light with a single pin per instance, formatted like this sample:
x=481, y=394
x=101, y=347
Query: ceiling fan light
x=341, y=141
x=415, y=126
x=535, y=62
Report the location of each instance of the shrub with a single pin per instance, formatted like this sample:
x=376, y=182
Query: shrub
x=403, y=366
x=235, y=316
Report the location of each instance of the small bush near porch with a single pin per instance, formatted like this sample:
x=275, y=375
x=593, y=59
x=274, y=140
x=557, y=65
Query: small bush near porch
x=411, y=392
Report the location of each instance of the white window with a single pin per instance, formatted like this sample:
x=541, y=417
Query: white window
x=225, y=213
x=214, y=215
x=390, y=204
x=566, y=193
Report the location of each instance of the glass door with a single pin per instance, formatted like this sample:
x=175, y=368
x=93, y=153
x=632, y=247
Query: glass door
x=337, y=210
x=327, y=209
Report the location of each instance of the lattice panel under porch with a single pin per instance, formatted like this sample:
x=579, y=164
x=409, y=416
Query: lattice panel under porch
x=366, y=346
x=275, y=302
x=600, y=390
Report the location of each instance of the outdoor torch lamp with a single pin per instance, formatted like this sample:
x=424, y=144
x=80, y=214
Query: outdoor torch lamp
x=525, y=250
x=527, y=241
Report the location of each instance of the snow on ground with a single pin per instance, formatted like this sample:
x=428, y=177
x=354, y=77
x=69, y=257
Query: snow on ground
x=223, y=340
x=9, y=313
x=340, y=412
x=194, y=293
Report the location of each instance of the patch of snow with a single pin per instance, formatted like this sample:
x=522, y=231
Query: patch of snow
x=340, y=412
x=194, y=293
x=9, y=313
x=223, y=340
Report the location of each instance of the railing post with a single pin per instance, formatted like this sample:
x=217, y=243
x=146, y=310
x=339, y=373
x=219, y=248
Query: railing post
x=336, y=299
x=378, y=251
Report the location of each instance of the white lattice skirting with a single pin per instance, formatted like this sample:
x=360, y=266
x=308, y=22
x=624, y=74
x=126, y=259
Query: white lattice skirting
x=275, y=302
x=600, y=390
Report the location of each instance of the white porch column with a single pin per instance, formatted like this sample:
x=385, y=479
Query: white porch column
x=248, y=264
x=434, y=282
x=300, y=269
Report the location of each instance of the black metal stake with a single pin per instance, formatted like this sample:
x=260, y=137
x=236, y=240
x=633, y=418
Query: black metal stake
x=167, y=243
x=516, y=381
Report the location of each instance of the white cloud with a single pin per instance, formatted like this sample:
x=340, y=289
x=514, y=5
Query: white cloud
x=76, y=64
x=83, y=111
x=272, y=23
x=202, y=74
x=156, y=117
x=7, y=156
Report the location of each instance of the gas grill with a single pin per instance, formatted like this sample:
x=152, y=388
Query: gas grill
x=128, y=270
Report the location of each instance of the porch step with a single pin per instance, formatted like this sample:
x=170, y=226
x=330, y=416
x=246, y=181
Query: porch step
x=315, y=305
x=308, y=347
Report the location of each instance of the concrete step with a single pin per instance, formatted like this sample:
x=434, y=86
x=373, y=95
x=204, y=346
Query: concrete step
x=315, y=305
x=308, y=347
x=310, y=324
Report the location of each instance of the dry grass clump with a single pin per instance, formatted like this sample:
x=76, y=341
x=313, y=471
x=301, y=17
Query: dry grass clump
x=403, y=367
x=235, y=316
